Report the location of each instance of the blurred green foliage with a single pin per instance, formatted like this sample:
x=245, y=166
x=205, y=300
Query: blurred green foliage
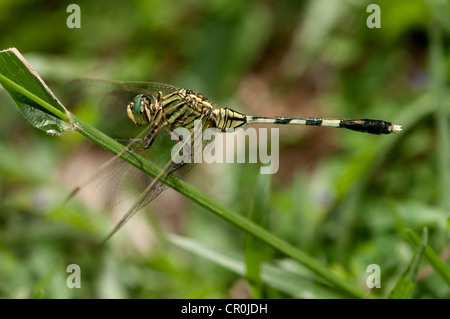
x=345, y=198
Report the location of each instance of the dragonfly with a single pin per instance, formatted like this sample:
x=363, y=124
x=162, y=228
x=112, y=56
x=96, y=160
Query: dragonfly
x=160, y=107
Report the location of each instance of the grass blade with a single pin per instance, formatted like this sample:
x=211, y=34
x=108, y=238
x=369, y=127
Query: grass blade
x=405, y=285
x=284, y=280
x=441, y=268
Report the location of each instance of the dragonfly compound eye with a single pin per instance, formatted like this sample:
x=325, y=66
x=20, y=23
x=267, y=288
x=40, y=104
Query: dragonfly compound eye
x=137, y=110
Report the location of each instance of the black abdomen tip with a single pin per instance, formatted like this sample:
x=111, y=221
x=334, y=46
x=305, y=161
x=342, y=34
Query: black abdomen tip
x=370, y=126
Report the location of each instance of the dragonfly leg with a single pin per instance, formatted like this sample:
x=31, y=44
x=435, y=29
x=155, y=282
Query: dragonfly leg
x=150, y=137
x=129, y=140
x=147, y=140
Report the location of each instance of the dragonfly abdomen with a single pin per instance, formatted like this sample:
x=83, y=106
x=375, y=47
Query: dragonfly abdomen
x=370, y=126
x=359, y=125
x=225, y=119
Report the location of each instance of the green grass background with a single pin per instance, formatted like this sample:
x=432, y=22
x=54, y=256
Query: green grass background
x=343, y=198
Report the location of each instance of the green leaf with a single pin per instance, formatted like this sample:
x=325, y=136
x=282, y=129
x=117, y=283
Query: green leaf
x=441, y=268
x=289, y=282
x=37, y=103
x=45, y=103
x=407, y=282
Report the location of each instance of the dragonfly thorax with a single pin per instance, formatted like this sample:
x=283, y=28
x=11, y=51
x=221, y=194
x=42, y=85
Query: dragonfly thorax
x=139, y=110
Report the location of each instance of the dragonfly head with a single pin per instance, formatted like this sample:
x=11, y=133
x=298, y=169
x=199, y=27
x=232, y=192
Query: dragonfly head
x=138, y=110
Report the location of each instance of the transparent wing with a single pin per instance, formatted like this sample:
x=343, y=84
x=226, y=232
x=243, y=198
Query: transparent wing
x=114, y=94
x=115, y=180
x=170, y=170
x=106, y=102
x=116, y=177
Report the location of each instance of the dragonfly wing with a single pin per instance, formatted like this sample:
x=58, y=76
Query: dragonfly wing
x=120, y=94
x=109, y=100
x=115, y=174
x=170, y=170
x=132, y=87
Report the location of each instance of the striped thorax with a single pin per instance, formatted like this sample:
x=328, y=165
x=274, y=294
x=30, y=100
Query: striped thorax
x=180, y=109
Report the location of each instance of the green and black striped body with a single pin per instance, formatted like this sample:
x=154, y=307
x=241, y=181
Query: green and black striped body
x=160, y=106
x=182, y=107
x=359, y=125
